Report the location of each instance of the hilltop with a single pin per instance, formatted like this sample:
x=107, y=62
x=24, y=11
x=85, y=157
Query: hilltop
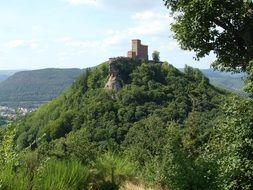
x=31, y=88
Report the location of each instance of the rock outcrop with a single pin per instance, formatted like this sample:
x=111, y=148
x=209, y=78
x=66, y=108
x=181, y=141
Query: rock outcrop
x=114, y=81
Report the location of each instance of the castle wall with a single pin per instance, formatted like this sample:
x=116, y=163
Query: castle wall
x=131, y=54
x=136, y=45
x=139, y=51
x=143, y=52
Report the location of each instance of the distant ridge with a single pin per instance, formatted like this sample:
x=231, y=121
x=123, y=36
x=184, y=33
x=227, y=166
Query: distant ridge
x=226, y=80
x=30, y=88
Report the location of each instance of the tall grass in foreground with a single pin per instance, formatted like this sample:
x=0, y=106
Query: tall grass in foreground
x=61, y=175
x=12, y=180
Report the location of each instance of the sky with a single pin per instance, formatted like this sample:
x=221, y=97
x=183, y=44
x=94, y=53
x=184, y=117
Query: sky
x=36, y=34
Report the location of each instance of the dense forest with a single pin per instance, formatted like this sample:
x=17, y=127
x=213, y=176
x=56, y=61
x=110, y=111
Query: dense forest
x=164, y=129
x=32, y=88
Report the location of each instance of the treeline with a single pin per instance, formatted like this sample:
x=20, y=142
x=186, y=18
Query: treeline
x=164, y=128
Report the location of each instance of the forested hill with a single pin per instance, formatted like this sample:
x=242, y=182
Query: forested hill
x=163, y=128
x=157, y=91
x=29, y=88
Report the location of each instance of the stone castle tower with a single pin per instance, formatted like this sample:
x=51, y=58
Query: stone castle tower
x=138, y=51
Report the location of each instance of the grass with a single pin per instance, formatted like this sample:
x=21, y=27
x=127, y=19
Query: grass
x=132, y=186
x=63, y=175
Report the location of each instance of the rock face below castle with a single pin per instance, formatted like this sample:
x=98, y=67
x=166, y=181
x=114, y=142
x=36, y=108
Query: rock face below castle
x=114, y=81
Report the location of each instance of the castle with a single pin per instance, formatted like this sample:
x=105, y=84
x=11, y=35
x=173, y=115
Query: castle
x=138, y=51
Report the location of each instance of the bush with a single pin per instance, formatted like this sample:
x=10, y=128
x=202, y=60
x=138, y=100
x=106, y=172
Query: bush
x=111, y=170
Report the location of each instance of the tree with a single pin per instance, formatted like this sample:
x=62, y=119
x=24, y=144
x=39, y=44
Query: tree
x=231, y=146
x=156, y=56
x=222, y=27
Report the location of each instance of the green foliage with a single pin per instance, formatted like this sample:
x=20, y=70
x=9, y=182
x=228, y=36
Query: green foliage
x=145, y=139
x=162, y=119
x=97, y=78
x=112, y=170
x=231, y=146
x=4, y=121
x=249, y=81
x=7, y=147
x=223, y=27
x=156, y=56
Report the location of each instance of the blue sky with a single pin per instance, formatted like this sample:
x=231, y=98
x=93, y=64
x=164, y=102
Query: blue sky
x=37, y=34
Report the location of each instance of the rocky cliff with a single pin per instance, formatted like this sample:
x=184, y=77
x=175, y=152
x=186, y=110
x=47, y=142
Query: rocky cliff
x=114, y=81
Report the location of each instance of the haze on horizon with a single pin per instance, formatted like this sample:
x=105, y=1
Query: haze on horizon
x=83, y=33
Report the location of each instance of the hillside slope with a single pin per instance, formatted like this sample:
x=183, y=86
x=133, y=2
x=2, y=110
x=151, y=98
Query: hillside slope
x=161, y=127
x=149, y=90
x=29, y=88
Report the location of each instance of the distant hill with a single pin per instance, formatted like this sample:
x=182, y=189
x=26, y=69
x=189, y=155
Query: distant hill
x=30, y=88
x=226, y=80
x=229, y=81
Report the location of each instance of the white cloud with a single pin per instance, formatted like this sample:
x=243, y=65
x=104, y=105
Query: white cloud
x=150, y=15
x=171, y=46
x=82, y=44
x=145, y=24
x=14, y=44
x=151, y=23
x=104, y=43
x=83, y=2
x=120, y=5
x=64, y=39
x=131, y=5
x=150, y=26
x=36, y=28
